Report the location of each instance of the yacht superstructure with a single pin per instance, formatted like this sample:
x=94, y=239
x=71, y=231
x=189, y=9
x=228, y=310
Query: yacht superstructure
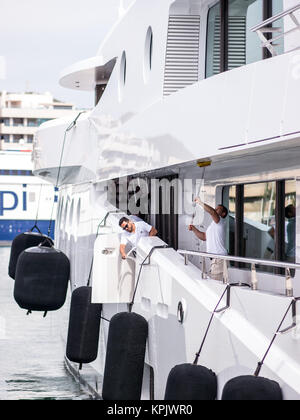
x=177, y=84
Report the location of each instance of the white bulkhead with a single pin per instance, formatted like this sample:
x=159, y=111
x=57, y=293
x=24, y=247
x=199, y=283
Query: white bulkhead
x=113, y=278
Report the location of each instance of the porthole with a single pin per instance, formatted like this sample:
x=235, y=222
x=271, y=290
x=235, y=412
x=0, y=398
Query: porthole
x=123, y=74
x=181, y=311
x=148, y=54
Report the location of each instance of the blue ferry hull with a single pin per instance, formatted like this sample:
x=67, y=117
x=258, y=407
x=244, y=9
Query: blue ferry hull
x=9, y=229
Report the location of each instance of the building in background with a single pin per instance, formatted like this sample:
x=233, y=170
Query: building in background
x=23, y=197
x=22, y=113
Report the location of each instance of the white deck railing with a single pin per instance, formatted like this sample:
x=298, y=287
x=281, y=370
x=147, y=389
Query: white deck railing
x=287, y=266
x=266, y=27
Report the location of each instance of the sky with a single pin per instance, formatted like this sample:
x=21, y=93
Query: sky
x=39, y=38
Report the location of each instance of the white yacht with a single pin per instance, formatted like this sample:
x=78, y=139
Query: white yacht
x=193, y=97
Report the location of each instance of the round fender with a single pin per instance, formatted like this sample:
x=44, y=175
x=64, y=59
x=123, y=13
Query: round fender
x=124, y=365
x=20, y=243
x=191, y=382
x=84, y=327
x=252, y=388
x=42, y=277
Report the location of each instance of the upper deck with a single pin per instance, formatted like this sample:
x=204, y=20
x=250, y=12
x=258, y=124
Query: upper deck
x=161, y=47
x=178, y=81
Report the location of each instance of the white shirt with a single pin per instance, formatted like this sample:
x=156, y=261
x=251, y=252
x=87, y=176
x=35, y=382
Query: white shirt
x=215, y=238
x=141, y=229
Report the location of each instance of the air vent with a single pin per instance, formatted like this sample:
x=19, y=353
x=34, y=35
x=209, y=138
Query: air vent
x=236, y=43
x=217, y=46
x=182, y=57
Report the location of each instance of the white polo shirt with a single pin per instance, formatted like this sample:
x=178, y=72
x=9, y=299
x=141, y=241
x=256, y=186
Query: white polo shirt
x=141, y=229
x=215, y=238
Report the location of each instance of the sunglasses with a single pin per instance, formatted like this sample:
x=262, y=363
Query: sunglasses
x=125, y=227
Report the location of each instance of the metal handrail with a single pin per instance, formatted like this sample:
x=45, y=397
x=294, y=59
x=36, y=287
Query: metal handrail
x=275, y=17
x=256, y=261
x=253, y=261
x=265, y=27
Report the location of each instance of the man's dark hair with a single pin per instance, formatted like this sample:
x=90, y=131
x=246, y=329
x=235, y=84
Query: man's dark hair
x=225, y=210
x=122, y=220
x=289, y=211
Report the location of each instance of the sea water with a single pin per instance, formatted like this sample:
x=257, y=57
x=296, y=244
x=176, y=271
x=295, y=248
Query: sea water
x=31, y=350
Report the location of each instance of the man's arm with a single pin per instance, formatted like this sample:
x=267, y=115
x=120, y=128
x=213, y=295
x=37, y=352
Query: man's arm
x=198, y=233
x=209, y=210
x=153, y=232
x=150, y=229
x=122, y=251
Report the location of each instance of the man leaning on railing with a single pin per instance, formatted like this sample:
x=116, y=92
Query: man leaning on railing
x=214, y=237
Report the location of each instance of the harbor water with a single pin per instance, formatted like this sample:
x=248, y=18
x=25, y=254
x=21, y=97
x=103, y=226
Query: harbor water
x=31, y=350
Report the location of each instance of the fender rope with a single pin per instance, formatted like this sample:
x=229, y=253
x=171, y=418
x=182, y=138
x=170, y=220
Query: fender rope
x=261, y=363
x=209, y=325
x=73, y=124
x=130, y=306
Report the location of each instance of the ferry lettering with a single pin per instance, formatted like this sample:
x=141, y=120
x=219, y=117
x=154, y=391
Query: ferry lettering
x=7, y=193
x=24, y=201
x=133, y=411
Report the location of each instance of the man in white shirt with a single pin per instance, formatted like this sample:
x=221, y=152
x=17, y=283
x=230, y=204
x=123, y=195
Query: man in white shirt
x=134, y=231
x=215, y=237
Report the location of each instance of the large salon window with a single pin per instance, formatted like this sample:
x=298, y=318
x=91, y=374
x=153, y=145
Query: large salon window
x=213, y=45
x=259, y=220
x=244, y=46
x=262, y=221
x=230, y=41
x=290, y=221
